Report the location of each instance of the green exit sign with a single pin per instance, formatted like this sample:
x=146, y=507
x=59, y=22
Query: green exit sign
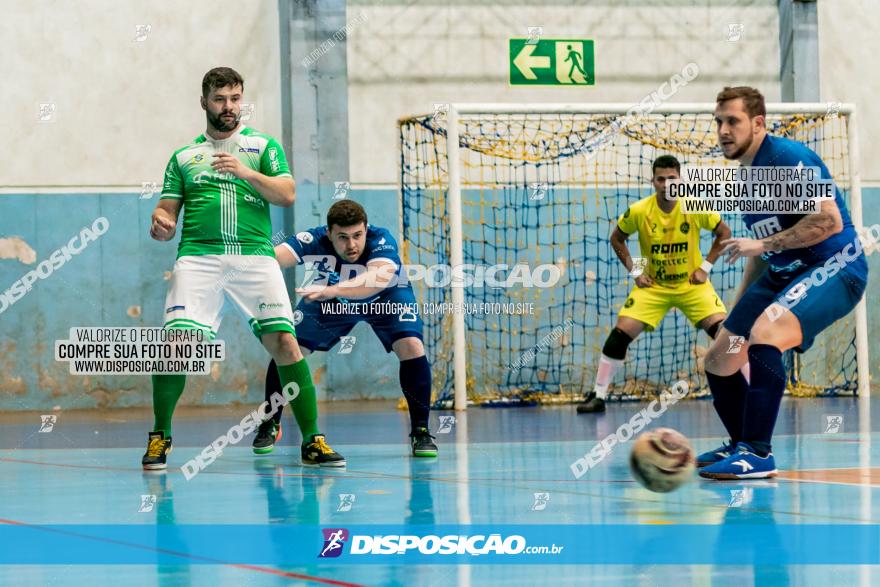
x=552, y=62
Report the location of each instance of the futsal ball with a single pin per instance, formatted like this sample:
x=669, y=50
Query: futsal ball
x=662, y=460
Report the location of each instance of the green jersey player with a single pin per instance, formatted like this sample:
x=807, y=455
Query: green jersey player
x=225, y=180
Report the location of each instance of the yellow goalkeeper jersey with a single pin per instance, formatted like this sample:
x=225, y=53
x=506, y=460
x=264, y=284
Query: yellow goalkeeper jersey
x=669, y=242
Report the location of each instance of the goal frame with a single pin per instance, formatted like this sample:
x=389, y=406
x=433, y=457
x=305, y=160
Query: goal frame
x=454, y=210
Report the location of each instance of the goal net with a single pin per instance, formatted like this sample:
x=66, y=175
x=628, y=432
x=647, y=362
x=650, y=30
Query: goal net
x=527, y=187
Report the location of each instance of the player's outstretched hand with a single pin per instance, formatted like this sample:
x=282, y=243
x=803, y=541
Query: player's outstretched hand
x=736, y=248
x=644, y=280
x=162, y=229
x=699, y=276
x=226, y=163
x=317, y=293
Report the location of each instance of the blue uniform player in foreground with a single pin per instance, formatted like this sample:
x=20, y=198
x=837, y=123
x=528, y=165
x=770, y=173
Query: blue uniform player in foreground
x=359, y=279
x=803, y=273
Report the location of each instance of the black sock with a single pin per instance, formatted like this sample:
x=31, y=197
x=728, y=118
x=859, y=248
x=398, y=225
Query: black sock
x=273, y=385
x=729, y=397
x=765, y=395
x=415, y=381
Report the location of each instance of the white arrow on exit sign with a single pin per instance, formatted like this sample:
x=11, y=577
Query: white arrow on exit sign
x=525, y=62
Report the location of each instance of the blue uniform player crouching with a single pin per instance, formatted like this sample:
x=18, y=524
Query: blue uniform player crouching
x=359, y=279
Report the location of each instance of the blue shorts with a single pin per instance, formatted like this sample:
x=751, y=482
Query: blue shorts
x=320, y=325
x=816, y=304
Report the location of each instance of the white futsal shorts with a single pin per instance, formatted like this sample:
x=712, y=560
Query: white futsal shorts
x=202, y=286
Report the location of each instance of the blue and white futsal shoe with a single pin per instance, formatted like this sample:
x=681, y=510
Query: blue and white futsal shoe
x=715, y=455
x=742, y=464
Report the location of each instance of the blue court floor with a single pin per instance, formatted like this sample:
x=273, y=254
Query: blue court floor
x=62, y=494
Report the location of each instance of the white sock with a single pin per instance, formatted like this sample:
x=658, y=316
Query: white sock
x=604, y=375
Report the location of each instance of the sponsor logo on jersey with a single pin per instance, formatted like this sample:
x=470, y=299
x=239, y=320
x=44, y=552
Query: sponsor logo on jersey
x=684, y=228
x=661, y=275
x=197, y=158
x=203, y=176
x=670, y=248
x=791, y=267
x=174, y=309
x=274, y=164
x=250, y=199
x=248, y=150
x=305, y=237
x=766, y=227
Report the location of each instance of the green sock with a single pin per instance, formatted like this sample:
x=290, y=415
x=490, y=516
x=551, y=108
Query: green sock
x=167, y=389
x=305, y=406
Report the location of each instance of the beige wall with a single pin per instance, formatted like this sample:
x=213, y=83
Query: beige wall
x=123, y=106
x=402, y=60
x=848, y=54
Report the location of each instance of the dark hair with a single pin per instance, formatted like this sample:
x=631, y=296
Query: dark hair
x=346, y=213
x=665, y=162
x=753, y=100
x=220, y=77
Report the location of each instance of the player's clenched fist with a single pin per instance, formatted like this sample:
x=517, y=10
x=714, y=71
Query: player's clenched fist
x=644, y=280
x=162, y=228
x=699, y=276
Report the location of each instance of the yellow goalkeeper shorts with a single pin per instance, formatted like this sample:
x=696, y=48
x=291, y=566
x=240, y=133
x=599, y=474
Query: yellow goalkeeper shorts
x=650, y=304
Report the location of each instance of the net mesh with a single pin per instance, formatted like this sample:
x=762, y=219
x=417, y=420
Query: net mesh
x=547, y=189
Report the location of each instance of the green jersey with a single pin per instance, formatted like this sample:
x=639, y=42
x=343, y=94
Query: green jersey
x=224, y=215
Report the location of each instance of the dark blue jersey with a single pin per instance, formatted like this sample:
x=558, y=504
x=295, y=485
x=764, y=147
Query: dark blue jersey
x=783, y=152
x=314, y=246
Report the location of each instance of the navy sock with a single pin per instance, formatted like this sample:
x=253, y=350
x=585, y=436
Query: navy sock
x=415, y=381
x=765, y=395
x=729, y=397
x=273, y=385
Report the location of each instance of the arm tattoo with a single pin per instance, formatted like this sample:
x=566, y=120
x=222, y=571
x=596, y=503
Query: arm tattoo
x=809, y=230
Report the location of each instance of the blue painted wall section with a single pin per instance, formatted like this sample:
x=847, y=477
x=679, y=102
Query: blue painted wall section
x=121, y=279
